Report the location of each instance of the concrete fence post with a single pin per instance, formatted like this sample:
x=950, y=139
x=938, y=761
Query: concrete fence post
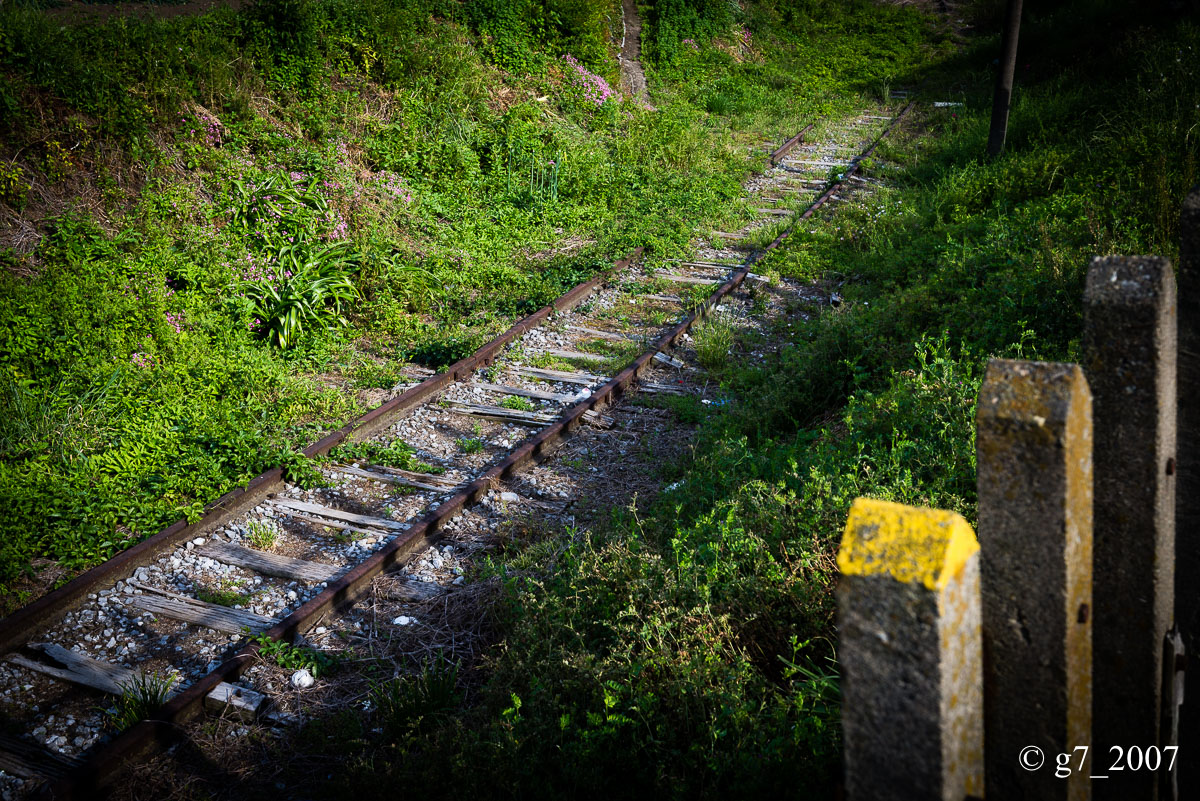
x=1187, y=491
x=1129, y=341
x=909, y=628
x=1034, y=455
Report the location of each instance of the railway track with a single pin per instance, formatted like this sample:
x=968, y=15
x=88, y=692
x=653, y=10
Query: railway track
x=191, y=607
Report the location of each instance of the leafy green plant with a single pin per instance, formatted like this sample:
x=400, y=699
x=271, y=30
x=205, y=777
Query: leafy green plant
x=14, y=186
x=295, y=657
x=442, y=348
x=517, y=403
x=56, y=161
x=141, y=697
x=470, y=444
x=302, y=292
x=819, y=689
x=298, y=469
x=718, y=103
x=396, y=453
x=694, y=297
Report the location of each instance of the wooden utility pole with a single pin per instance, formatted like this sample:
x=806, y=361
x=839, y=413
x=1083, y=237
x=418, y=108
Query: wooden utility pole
x=1004, y=78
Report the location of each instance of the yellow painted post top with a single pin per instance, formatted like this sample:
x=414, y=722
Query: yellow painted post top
x=909, y=544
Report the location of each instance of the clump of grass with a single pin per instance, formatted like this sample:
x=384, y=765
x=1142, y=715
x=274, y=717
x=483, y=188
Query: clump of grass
x=517, y=403
x=718, y=104
x=409, y=704
x=261, y=535
x=141, y=696
x=687, y=409
x=226, y=593
x=714, y=340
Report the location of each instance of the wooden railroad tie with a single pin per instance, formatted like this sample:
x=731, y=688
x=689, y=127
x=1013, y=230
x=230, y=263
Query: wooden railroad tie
x=534, y=419
x=584, y=379
x=336, y=514
x=609, y=335
x=504, y=389
x=435, y=479
x=25, y=760
x=200, y=613
x=687, y=279
x=388, y=478
x=270, y=564
x=74, y=667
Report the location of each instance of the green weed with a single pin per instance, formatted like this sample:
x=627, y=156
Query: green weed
x=261, y=535
x=396, y=453
x=713, y=340
x=14, y=186
x=302, y=291
x=518, y=403
x=226, y=592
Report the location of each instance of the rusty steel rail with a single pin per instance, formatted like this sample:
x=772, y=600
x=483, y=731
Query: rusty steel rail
x=853, y=168
x=17, y=628
x=786, y=147
x=164, y=727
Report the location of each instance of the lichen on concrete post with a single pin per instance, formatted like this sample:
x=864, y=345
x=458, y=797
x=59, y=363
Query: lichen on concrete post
x=1034, y=459
x=1187, y=490
x=912, y=676
x=1129, y=340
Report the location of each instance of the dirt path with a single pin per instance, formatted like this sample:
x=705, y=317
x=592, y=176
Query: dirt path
x=633, y=79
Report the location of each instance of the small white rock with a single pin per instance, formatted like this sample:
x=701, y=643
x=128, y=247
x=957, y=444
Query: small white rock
x=404, y=620
x=302, y=679
x=510, y=497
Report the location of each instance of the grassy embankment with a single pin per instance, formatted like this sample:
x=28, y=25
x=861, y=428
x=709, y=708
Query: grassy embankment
x=227, y=234
x=689, y=649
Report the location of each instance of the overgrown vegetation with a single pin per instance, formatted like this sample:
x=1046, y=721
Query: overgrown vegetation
x=333, y=188
x=697, y=633
x=238, y=217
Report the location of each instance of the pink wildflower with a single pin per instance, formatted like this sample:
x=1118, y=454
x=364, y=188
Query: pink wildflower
x=595, y=89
